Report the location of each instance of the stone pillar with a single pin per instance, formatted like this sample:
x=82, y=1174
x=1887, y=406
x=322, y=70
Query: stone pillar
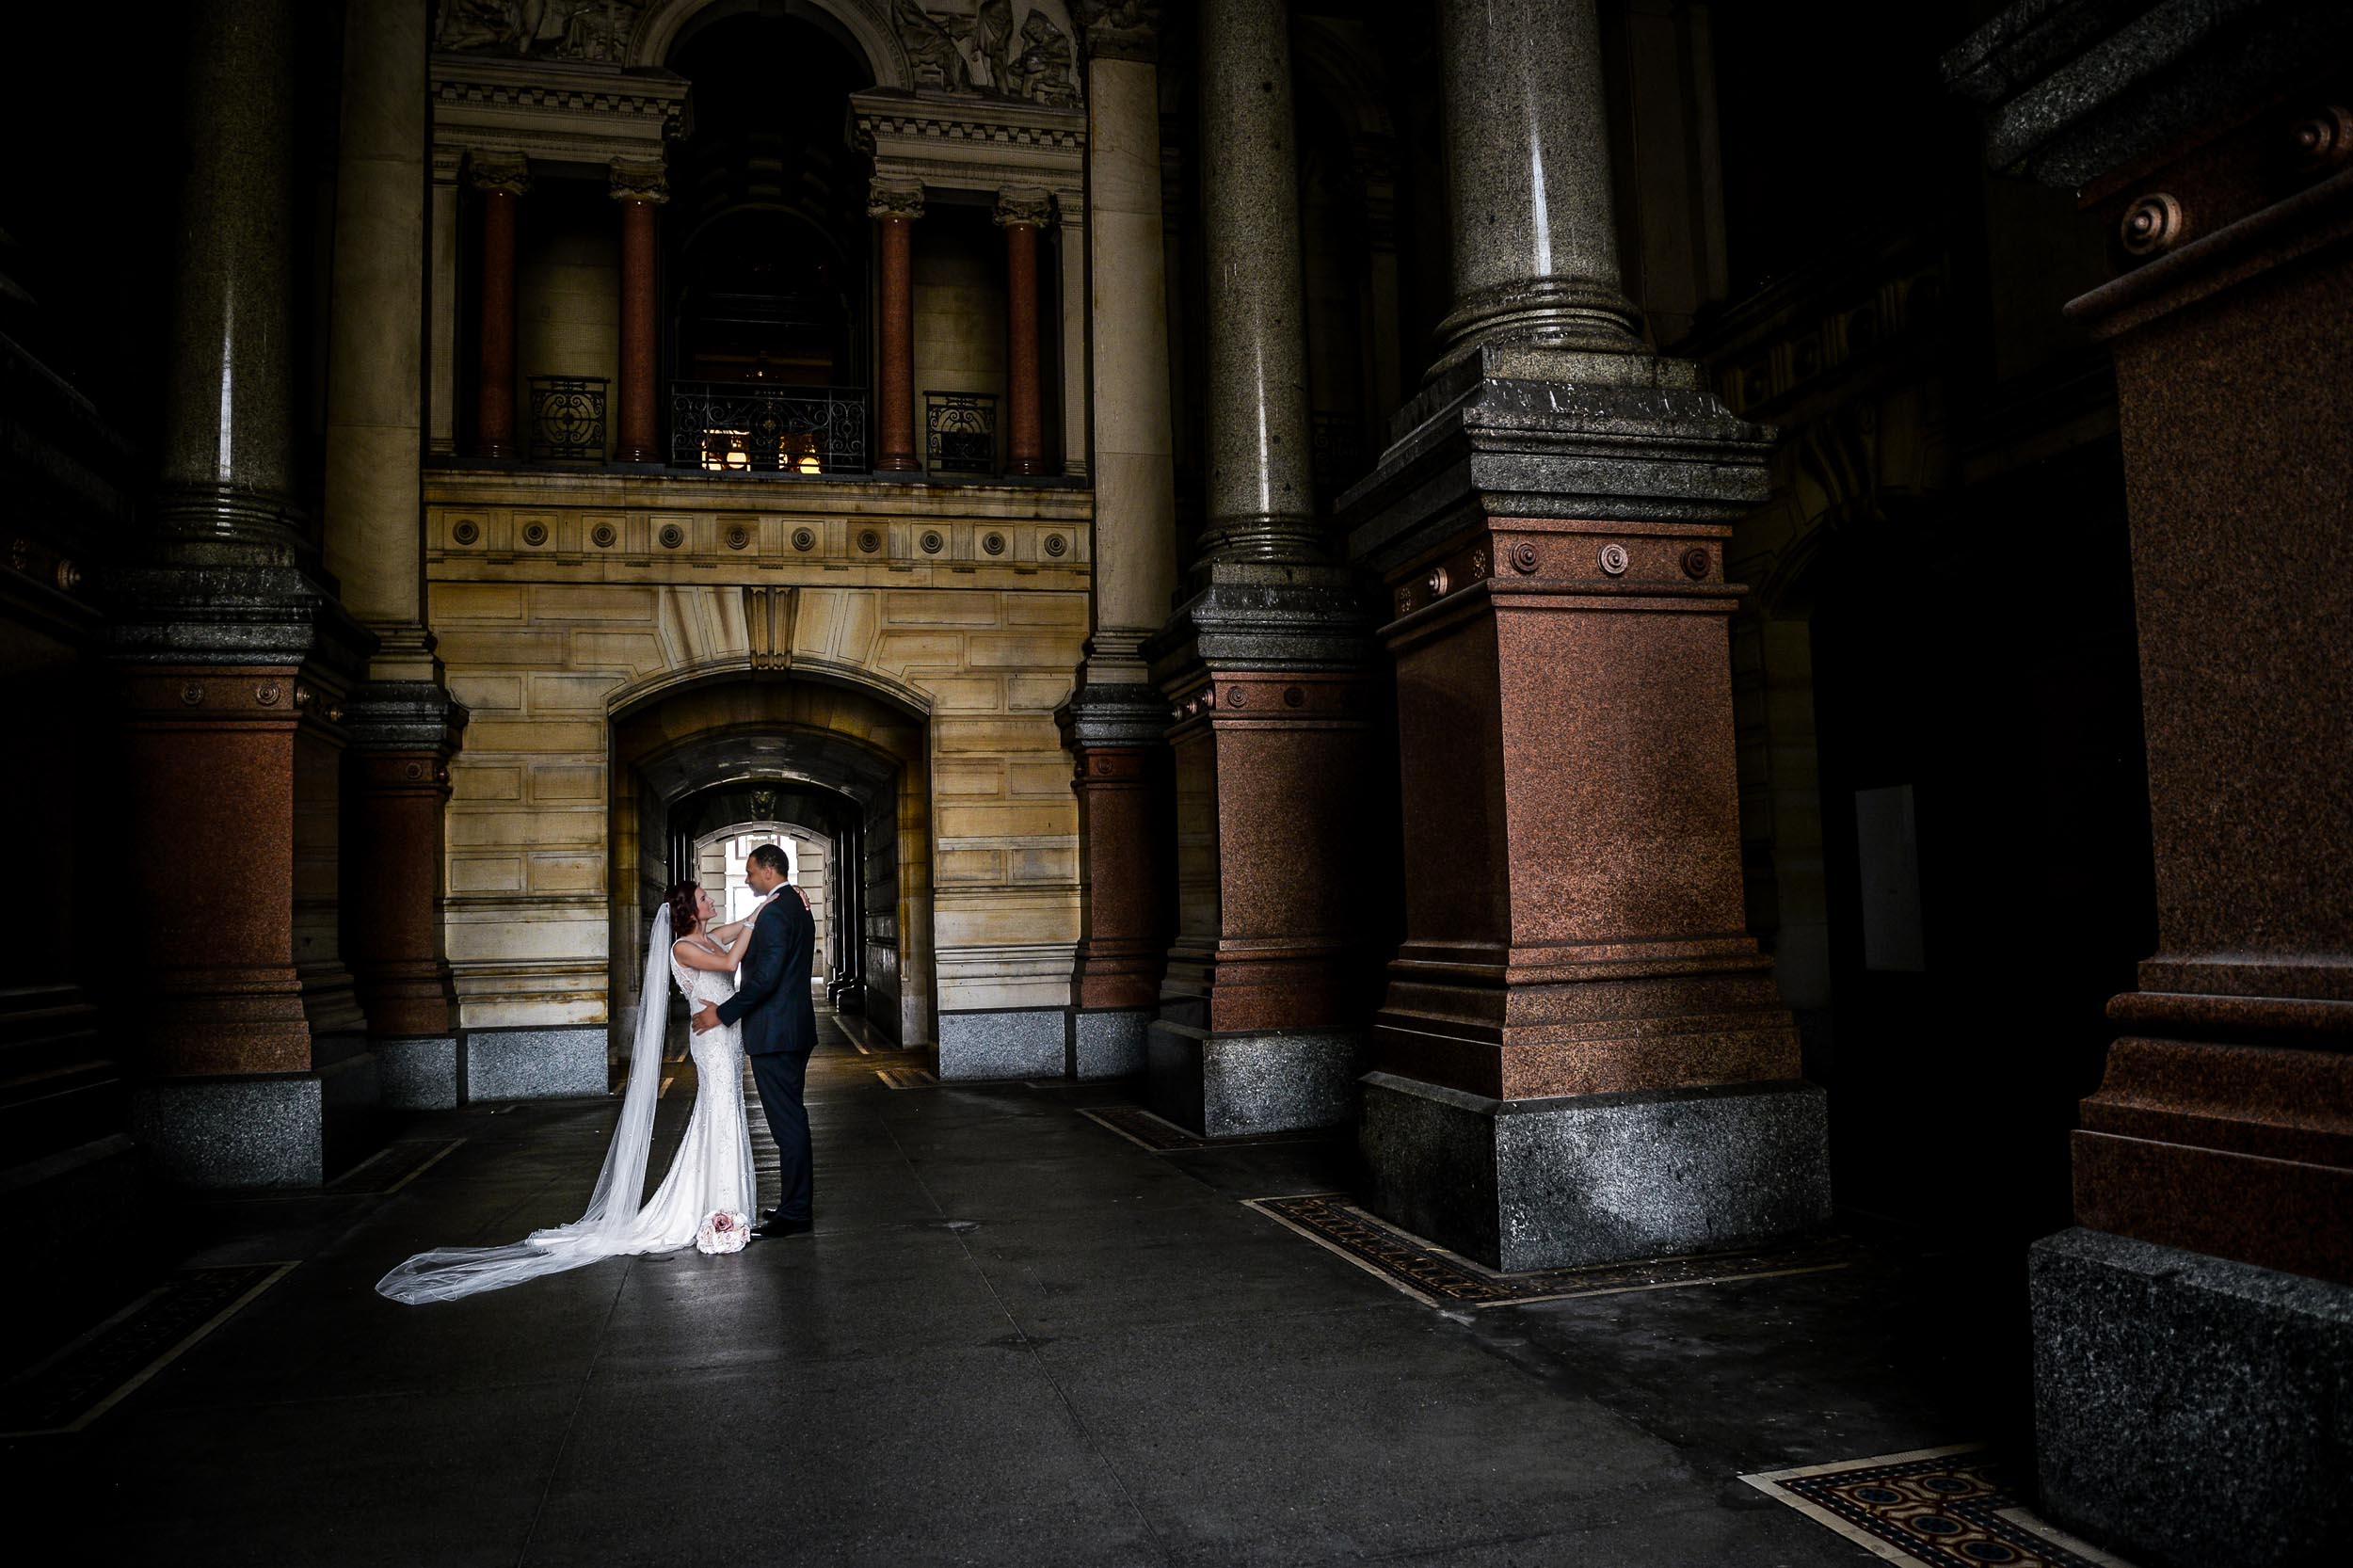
x=1070, y=272
x=896, y=207
x=640, y=188
x=502, y=179
x=2199, y=1320
x=1023, y=215
x=1117, y=721
x=232, y=660
x=401, y=724
x=442, y=304
x=1263, y=663
x=1580, y=1056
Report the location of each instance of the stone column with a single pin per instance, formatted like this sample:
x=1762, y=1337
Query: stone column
x=1070, y=272
x=896, y=207
x=1023, y=215
x=1264, y=662
x=1116, y=723
x=232, y=660
x=640, y=189
x=1528, y=179
x=376, y=393
x=502, y=179
x=2199, y=1320
x=1580, y=1056
x=442, y=303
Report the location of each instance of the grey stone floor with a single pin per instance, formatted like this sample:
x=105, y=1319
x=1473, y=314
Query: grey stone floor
x=1015, y=1337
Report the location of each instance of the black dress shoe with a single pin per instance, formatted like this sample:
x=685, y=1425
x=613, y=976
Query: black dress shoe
x=772, y=1227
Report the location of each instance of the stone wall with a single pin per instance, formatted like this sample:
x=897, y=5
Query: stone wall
x=560, y=602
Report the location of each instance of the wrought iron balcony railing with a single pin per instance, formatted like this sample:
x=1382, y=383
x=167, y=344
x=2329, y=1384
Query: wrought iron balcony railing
x=729, y=427
x=567, y=418
x=960, y=432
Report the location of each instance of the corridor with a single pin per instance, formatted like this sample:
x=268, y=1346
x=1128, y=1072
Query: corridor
x=1015, y=1336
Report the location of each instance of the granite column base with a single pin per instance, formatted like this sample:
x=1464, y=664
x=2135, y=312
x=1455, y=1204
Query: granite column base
x=1595, y=1179
x=1107, y=1042
x=257, y=1130
x=534, y=1064
x=1234, y=1084
x=2190, y=1410
x=1006, y=1043
x=419, y=1072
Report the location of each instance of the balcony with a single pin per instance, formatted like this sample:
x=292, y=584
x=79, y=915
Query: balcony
x=731, y=428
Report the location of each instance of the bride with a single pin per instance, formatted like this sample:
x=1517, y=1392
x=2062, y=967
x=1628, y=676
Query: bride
x=708, y=1196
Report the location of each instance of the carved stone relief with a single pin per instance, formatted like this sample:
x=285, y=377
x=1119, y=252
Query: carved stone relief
x=592, y=30
x=983, y=46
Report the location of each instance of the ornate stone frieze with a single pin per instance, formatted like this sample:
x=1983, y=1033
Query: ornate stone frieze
x=1032, y=207
x=1120, y=29
x=982, y=47
x=891, y=199
x=555, y=109
x=964, y=145
x=595, y=31
x=639, y=182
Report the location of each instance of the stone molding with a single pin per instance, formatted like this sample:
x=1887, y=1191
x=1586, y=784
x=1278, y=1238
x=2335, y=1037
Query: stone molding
x=1120, y=29
x=893, y=198
x=632, y=181
x=978, y=146
x=1024, y=208
x=506, y=173
x=554, y=111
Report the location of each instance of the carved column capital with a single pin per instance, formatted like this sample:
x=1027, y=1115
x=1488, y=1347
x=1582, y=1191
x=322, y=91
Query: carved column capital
x=639, y=180
x=893, y=198
x=1120, y=29
x=1033, y=208
x=505, y=173
x=449, y=163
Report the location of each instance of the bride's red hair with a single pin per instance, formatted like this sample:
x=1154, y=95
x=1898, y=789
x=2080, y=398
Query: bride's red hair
x=683, y=920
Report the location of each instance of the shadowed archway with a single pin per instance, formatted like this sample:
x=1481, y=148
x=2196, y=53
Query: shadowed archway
x=848, y=767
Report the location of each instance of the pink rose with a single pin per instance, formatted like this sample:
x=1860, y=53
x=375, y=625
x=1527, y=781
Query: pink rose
x=724, y=1230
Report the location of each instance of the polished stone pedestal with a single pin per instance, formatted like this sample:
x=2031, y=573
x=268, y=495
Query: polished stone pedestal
x=1107, y=1042
x=536, y=1063
x=1003, y=1043
x=2189, y=1410
x=419, y=1073
x=1594, y=1178
x=1231, y=1085
x=261, y=1129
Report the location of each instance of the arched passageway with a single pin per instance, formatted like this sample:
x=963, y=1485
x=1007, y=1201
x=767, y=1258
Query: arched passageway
x=835, y=767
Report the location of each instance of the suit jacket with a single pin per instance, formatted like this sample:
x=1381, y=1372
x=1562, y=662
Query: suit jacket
x=772, y=999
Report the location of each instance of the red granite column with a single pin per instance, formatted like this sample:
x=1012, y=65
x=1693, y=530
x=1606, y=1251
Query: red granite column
x=639, y=188
x=403, y=734
x=209, y=774
x=501, y=182
x=896, y=208
x=1023, y=214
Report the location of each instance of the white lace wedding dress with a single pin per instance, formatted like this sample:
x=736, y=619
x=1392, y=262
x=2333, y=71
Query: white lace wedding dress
x=710, y=1175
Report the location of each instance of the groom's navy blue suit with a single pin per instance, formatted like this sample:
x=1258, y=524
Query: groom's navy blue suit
x=779, y=1030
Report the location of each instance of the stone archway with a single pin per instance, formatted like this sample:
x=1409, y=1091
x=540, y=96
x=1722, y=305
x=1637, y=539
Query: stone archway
x=861, y=25
x=869, y=757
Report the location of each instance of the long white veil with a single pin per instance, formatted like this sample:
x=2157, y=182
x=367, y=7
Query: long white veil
x=603, y=1229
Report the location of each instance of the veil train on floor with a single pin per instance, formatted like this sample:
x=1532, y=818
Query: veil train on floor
x=607, y=1227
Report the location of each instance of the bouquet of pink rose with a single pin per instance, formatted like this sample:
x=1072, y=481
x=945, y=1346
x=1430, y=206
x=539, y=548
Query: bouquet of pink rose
x=724, y=1230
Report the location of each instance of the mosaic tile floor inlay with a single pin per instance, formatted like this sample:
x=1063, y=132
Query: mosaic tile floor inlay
x=1441, y=1278
x=1948, y=1507
x=97, y=1371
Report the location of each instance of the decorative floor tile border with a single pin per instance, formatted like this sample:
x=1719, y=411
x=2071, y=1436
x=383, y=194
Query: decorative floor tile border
x=105, y=1367
x=907, y=1078
x=1948, y=1507
x=1437, y=1278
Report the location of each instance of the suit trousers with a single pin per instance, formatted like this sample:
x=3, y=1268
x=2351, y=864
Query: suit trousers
x=779, y=1076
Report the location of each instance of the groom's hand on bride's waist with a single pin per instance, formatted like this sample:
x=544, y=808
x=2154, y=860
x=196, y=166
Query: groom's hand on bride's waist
x=707, y=1018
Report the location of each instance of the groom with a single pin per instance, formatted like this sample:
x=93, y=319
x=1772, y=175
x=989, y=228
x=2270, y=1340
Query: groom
x=779, y=1028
